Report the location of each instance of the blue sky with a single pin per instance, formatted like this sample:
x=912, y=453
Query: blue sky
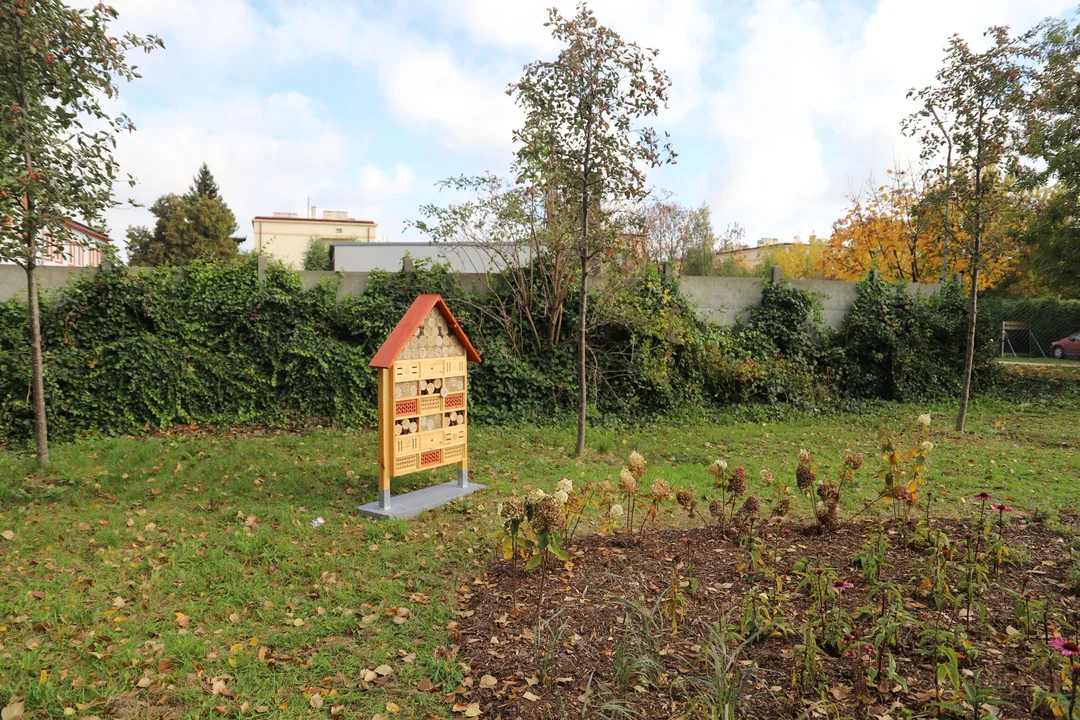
x=780, y=108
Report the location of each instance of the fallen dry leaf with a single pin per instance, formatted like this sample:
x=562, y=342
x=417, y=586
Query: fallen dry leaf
x=14, y=711
x=316, y=701
x=384, y=670
x=7, y=535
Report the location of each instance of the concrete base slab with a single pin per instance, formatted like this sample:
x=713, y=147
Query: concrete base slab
x=413, y=503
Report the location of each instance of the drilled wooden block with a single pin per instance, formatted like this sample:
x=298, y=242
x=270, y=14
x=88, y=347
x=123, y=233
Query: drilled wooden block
x=405, y=463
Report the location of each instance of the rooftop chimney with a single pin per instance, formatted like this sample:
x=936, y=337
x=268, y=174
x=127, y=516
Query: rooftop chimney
x=314, y=212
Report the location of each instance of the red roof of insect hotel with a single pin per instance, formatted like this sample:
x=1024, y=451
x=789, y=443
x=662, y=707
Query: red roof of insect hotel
x=412, y=319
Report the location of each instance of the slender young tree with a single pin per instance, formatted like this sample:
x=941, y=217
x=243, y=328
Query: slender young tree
x=582, y=141
x=59, y=68
x=978, y=98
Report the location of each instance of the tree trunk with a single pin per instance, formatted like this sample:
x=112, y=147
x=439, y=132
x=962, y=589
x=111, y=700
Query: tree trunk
x=969, y=355
x=583, y=395
x=37, y=365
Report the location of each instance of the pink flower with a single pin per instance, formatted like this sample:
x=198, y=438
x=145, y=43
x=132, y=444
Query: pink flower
x=1001, y=508
x=1028, y=596
x=1068, y=648
x=984, y=496
x=840, y=586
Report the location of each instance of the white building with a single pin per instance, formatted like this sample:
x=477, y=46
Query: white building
x=461, y=257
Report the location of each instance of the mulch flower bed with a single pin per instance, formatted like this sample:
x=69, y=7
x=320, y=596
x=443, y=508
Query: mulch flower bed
x=588, y=635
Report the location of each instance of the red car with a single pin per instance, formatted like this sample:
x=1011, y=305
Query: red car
x=1066, y=347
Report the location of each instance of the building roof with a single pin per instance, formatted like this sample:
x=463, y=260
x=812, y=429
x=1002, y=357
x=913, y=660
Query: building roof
x=413, y=318
x=88, y=230
x=313, y=220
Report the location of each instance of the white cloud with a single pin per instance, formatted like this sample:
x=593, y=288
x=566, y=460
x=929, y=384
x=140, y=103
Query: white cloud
x=376, y=183
x=681, y=29
x=468, y=109
x=811, y=102
x=267, y=153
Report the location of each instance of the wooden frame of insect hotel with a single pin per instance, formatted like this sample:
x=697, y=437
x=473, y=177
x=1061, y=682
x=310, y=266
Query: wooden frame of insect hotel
x=423, y=378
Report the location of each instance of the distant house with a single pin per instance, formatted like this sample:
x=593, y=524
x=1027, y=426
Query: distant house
x=285, y=236
x=752, y=256
x=74, y=252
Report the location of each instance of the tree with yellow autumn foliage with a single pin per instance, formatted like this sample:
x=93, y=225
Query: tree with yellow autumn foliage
x=889, y=228
x=899, y=230
x=797, y=260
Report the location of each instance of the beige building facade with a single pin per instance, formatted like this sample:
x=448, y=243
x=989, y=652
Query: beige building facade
x=285, y=236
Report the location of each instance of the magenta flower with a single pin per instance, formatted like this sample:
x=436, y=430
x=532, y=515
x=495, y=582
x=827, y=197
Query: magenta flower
x=1001, y=508
x=840, y=586
x=1028, y=596
x=984, y=496
x=1068, y=648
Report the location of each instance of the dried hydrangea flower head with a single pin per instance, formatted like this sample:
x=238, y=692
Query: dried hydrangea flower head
x=828, y=492
x=660, y=490
x=854, y=461
x=616, y=512
x=513, y=510
x=737, y=482
x=924, y=420
x=549, y=515
x=718, y=467
x=627, y=482
x=782, y=507
x=804, y=477
x=767, y=478
x=926, y=445
x=562, y=496
x=686, y=500
x=805, y=458
x=533, y=498
x=716, y=509
x=636, y=464
x=566, y=485
x=750, y=507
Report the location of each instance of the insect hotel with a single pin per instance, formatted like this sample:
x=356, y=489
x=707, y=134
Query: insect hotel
x=423, y=413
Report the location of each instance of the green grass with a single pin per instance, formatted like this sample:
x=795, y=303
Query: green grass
x=218, y=529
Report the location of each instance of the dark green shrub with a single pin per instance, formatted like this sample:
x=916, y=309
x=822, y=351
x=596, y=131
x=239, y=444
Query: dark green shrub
x=902, y=347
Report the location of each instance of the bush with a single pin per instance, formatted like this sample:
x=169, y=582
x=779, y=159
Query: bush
x=902, y=347
x=211, y=344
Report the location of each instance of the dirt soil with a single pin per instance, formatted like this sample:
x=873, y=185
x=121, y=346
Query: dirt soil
x=497, y=626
